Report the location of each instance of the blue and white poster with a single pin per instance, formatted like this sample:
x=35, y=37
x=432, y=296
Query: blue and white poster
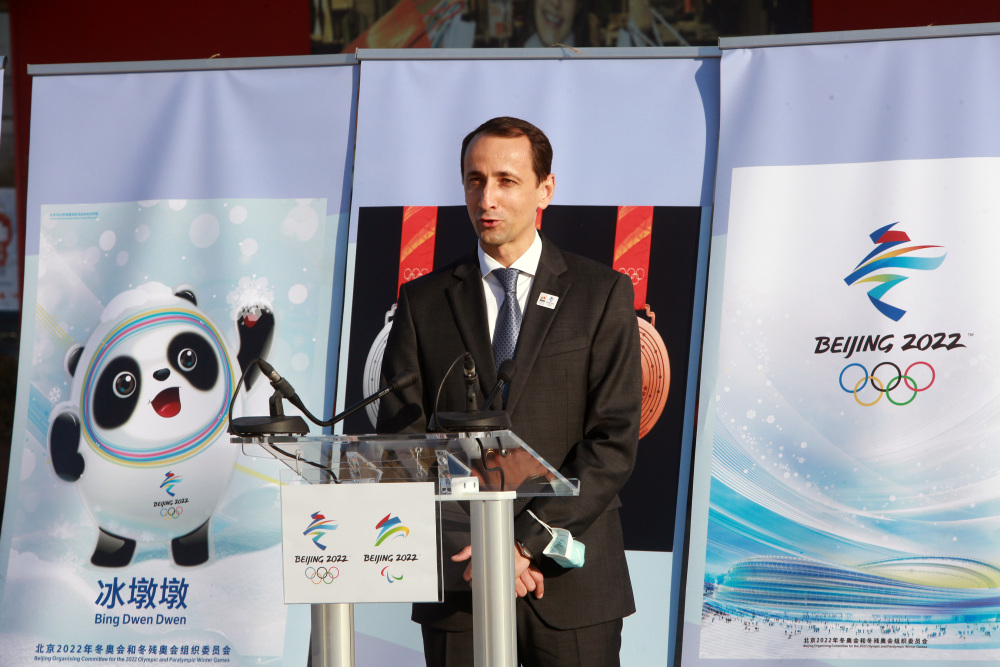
x=140, y=520
x=180, y=224
x=845, y=502
x=853, y=496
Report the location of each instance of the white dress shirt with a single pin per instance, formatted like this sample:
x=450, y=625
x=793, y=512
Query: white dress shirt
x=527, y=264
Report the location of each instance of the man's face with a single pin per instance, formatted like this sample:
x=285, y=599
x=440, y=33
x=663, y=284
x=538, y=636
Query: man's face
x=554, y=20
x=503, y=194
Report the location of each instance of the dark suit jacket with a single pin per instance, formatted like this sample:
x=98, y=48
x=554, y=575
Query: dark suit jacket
x=575, y=398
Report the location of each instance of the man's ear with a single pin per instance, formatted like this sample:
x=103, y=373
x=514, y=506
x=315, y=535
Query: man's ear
x=547, y=188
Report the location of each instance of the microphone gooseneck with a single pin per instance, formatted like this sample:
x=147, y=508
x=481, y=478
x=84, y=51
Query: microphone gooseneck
x=277, y=423
x=397, y=383
x=504, y=375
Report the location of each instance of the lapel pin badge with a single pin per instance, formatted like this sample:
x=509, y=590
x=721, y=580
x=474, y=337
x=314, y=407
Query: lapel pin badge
x=547, y=300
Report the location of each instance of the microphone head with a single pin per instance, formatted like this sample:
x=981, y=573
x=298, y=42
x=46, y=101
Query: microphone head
x=268, y=370
x=403, y=380
x=506, y=371
x=470, y=365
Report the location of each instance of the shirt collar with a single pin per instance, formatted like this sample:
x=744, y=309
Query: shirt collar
x=526, y=263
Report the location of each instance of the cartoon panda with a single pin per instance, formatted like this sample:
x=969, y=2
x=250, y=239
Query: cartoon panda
x=144, y=433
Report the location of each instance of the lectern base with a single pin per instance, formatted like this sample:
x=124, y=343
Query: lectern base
x=332, y=637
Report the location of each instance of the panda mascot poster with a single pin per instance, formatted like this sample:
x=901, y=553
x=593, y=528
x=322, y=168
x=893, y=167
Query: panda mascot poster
x=138, y=523
x=144, y=435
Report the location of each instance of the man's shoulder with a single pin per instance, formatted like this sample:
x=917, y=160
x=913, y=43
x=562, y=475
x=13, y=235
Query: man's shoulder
x=587, y=265
x=440, y=278
x=584, y=268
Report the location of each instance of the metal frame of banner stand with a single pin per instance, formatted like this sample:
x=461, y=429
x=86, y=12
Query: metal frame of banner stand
x=282, y=62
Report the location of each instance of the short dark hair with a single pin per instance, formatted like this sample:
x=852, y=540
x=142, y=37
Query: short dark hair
x=508, y=127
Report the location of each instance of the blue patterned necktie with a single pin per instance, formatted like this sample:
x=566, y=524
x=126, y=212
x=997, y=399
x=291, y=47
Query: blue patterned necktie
x=508, y=320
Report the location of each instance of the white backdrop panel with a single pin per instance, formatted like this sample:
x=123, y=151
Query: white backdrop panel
x=638, y=131
x=247, y=165
x=820, y=146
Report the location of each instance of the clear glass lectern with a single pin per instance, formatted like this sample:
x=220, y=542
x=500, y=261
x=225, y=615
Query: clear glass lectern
x=488, y=469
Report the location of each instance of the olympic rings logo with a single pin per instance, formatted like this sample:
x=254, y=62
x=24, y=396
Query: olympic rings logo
x=635, y=274
x=410, y=274
x=171, y=512
x=886, y=388
x=323, y=575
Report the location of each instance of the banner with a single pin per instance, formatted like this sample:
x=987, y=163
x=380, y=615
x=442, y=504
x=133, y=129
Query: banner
x=845, y=502
x=180, y=225
x=633, y=195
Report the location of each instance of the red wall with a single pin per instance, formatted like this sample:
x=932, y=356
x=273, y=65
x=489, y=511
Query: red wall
x=71, y=31
x=830, y=15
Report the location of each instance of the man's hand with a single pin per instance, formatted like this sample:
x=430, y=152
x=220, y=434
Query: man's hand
x=527, y=577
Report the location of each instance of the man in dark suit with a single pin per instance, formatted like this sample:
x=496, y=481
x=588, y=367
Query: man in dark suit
x=575, y=397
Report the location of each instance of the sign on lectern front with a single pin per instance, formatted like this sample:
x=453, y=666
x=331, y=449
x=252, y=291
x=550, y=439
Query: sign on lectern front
x=359, y=543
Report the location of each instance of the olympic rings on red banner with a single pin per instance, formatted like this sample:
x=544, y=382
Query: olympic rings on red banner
x=171, y=512
x=322, y=574
x=410, y=274
x=886, y=388
x=635, y=274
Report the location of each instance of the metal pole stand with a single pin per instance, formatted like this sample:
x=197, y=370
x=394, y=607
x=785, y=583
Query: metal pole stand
x=493, y=614
x=332, y=636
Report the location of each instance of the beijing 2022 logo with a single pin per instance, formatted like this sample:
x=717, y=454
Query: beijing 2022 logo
x=890, y=253
x=318, y=528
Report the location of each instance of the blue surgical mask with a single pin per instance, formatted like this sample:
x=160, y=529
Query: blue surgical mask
x=563, y=549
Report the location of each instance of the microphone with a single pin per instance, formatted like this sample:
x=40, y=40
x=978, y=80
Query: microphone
x=268, y=370
x=280, y=384
x=399, y=382
x=278, y=423
x=471, y=382
x=504, y=375
x=483, y=420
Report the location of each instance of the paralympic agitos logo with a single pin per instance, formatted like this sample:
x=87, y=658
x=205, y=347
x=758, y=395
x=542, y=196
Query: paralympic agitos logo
x=889, y=254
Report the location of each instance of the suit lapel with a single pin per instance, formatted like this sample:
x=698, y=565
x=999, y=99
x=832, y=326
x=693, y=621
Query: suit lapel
x=468, y=307
x=553, y=279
